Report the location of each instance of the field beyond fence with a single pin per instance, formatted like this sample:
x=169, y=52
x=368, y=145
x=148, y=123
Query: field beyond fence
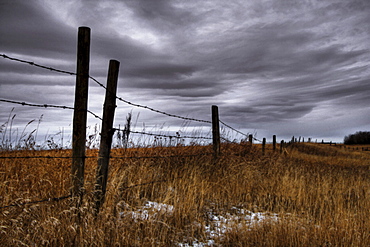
x=310, y=195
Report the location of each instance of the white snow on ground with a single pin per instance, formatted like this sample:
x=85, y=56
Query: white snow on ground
x=149, y=211
x=217, y=224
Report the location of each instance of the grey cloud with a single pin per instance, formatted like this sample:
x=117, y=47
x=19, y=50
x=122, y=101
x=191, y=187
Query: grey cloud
x=28, y=29
x=201, y=87
x=275, y=110
x=138, y=60
x=352, y=92
x=277, y=53
x=173, y=71
x=160, y=13
x=322, y=60
x=125, y=49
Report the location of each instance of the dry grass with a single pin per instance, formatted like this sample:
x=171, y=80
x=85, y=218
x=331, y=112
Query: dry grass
x=320, y=194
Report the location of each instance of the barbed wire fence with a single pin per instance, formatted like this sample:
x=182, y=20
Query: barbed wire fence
x=84, y=34
x=118, y=98
x=215, y=131
x=56, y=199
x=96, y=116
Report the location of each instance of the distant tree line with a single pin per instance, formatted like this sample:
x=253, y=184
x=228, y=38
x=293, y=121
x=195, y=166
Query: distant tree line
x=360, y=137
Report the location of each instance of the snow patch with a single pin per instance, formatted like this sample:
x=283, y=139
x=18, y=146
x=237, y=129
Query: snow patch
x=217, y=224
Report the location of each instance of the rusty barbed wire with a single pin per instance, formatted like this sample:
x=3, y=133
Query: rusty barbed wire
x=46, y=106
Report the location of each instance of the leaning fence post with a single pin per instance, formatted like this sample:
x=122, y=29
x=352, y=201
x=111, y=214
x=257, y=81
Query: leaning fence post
x=216, y=131
x=80, y=113
x=106, y=134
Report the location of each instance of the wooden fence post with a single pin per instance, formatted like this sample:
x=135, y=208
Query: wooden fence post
x=216, y=131
x=274, y=143
x=281, y=146
x=106, y=134
x=80, y=113
x=263, y=145
x=250, y=138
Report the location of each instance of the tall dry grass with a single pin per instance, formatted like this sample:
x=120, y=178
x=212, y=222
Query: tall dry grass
x=320, y=195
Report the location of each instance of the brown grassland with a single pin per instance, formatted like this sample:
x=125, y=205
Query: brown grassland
x=320, y=193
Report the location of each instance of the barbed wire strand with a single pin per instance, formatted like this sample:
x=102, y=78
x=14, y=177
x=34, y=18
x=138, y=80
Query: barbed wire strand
x=96, y=157
x=247, y=135
x=169, y=136
x=55, y=199
x=119, y=98
x=162, y=112
x=45, y=157
x=37, y=65
x=46, y=106
x=256, y=139
x=101, y=85
x=49, y=68
x=233, y=128
x=226, y=140
x=160, y=157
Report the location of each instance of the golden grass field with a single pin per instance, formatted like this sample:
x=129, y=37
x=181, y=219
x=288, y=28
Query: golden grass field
x=319, y=195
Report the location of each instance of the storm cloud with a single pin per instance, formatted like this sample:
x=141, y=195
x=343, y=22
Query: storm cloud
x=273, y=67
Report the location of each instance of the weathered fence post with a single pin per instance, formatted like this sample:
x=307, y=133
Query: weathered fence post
x=274, y=143
x=80, y=113
x=250, y=139
x=106, y=134
x=216, y=131
x=281, y=146
x=263, y=145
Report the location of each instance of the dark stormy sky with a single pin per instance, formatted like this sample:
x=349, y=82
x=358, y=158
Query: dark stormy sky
x=281, y=67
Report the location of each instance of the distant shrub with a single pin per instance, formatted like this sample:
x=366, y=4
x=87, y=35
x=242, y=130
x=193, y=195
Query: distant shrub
x=360, y=137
